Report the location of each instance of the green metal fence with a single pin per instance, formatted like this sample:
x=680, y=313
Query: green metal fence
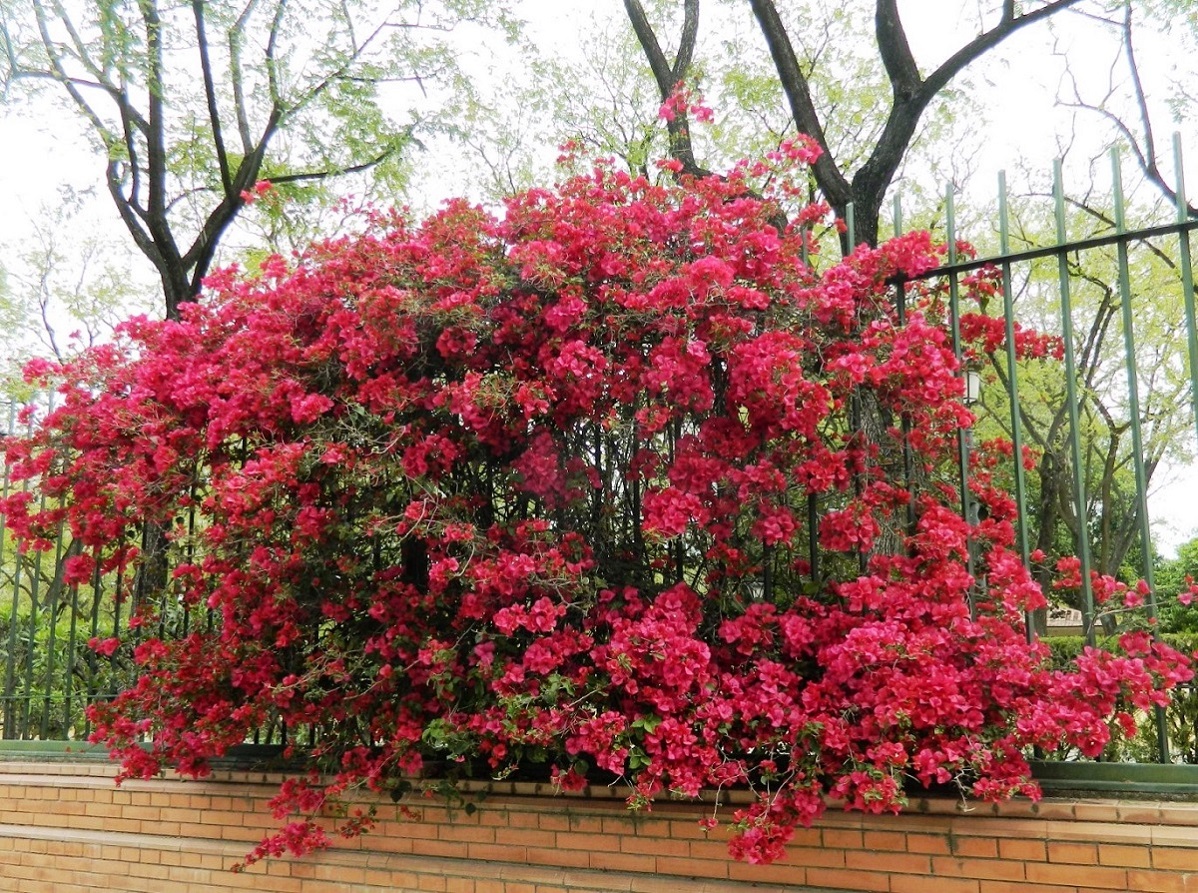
x=1098, y=291
x=1124, y=402
x=50, y=674
x=1076, y=392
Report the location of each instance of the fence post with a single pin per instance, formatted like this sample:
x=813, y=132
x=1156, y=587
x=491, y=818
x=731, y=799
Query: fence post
x=1079, y=483
x=964, y=435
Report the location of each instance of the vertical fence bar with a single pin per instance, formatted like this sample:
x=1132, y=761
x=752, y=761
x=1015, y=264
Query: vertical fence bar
x=6, y=718
x=1008, y=303
x=1012, y=367
x=14, y=728
x=35, y=581
x=1187, y=275
x=812, y=500
x=1137, y=435
x=964, y=435
x=1079, y=483
x=72, y=643
x=52, y=597
x=856, y=412
x=1133, y=383
x=4, y=475
x=118, y=597
x=92, y=657
x=901, y=313
x=190, y=557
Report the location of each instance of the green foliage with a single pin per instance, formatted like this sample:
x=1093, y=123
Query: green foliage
x=67, y=286
x=1173, y=581
x=192, y=104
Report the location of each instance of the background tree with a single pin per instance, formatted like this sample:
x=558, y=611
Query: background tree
x=193, y=104
x=863, y=177
x=1110, y=519
x=1123, y=100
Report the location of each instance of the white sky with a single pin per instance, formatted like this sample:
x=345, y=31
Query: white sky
x=42, y=152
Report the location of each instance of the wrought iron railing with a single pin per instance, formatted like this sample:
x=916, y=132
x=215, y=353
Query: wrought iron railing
x=1125, y=406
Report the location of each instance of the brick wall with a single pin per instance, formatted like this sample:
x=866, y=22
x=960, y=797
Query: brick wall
x=65, y=827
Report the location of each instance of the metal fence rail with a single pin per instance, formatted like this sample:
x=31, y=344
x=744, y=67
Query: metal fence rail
x=50, y=673
x=1076, y=290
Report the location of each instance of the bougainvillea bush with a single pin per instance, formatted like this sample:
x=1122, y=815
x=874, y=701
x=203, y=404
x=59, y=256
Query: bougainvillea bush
x=615, y=484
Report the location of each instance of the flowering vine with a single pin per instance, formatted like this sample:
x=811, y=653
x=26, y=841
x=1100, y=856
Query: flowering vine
x=584, y=486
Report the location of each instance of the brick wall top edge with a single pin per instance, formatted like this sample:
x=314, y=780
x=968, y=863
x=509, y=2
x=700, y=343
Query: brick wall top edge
x=530, y=795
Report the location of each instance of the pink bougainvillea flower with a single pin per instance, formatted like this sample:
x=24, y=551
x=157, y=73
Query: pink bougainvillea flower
x=549, y=488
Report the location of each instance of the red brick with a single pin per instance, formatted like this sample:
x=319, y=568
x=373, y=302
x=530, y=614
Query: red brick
x=824, y=858
x=525, y=836
x=980, y=847
x=844, y=838
x=1162, y=881
x=466, y=833
x=706, y=868
x=898, y=863
x=900, y=883
x=588, y=842
x=1023, y=850
x=556, y=858
x=615, y=861
x=493, y=852
x=788, y=875
x=1129, y=856
x=933, y=844
x=1076, y=853
x=534, y=844
x=657, y=846
x=809, y=837
x=587, y=824
x=1172, y=835
x=987, y=869
x=1177, y=858
x=890, y=841
x=1096, y=876
x=848, y=879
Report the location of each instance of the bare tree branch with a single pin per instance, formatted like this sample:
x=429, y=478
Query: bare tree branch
x=218, y=137
x=831, y=180
x=1143, y=145
x=236, y=37
x=913, y=95
x=986, y=41
x=669, y=77
x=301, y=176
x=896, y=51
